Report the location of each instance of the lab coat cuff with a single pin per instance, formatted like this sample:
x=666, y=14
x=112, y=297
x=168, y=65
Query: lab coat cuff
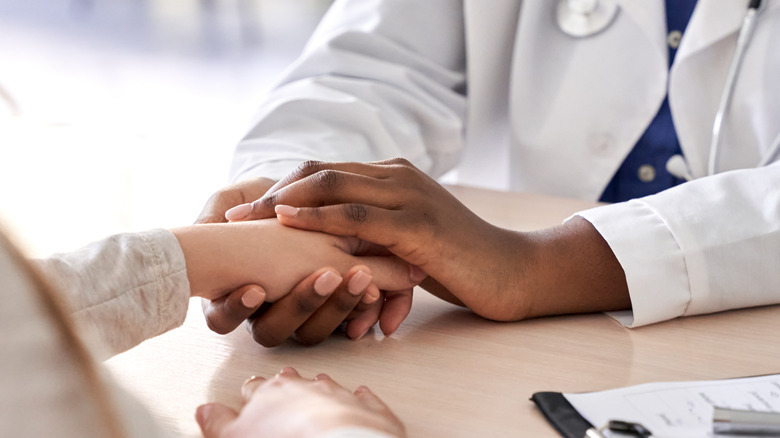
x=651, y=258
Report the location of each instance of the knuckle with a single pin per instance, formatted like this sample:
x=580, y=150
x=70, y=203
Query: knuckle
x=399, y=161
x=326, y=180
x=408, y=172
x=269, y=200
x=225, y=193
x=343, y=305
x=308, y=167
x=356, y=213
x=306, y=306
x=361, y=307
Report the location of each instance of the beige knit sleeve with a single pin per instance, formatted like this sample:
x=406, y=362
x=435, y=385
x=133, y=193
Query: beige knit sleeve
x=124, y=289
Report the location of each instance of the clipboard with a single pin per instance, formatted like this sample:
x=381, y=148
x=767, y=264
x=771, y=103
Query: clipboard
x=681, y=409
x=561, y=414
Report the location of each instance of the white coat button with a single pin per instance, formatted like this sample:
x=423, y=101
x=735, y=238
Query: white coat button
x=674, y=38
x=600, y=142
x=646, y=173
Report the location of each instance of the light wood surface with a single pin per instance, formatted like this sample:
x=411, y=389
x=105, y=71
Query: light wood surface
x=448, y=373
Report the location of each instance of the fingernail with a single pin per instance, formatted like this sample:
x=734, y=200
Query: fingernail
x=252, y=298
x=416, y=275
x=250, y=385
x=327, y=283
x=238, y=212
x=287, y=370
x=359, y=282
x=286, y=210
x=202, y=413
x=370, y=297
x=248, y=380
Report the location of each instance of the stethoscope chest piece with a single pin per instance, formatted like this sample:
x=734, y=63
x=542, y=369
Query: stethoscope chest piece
x=582, y=18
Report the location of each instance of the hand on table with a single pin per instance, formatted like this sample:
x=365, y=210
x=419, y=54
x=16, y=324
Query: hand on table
x=498, y=273
x=308, y=313
x=290, y=406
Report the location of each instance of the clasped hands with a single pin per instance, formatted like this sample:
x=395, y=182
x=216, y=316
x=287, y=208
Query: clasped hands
x=388, y=208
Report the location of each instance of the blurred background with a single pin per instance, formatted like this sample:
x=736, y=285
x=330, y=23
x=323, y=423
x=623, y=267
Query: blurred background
x=121, y=115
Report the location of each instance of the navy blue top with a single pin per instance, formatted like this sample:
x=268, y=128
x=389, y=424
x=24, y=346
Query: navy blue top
x=659, y=142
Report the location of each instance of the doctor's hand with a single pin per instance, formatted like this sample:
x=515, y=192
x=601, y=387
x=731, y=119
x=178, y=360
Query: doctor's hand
x=500, y=274
x=289, y=405
x=309, y=318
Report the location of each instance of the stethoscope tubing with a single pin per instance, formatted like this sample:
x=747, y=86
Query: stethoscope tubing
x=772, y=153
x=745, y=32
x=743, y=40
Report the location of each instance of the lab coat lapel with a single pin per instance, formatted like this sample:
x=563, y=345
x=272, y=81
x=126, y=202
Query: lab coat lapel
x=647, y=14
x=712, y=21
x=706, y=52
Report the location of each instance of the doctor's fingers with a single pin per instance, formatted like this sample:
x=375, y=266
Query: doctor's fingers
x=330, y=187
x=275, y=323
x=390, y=311
x=226, y=313
x=396, y=308
x=375, y=169
x=363, y=317
x=386, y=184
x=356, y=289
x=409, y=234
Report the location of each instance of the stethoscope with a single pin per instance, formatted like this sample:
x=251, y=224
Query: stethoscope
x=583, y=18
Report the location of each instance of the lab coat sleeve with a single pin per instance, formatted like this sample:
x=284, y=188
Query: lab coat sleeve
x=122, y=290
x=378, y=79
x=709, y=245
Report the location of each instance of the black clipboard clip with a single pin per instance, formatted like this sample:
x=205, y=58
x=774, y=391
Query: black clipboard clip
x=622, y=427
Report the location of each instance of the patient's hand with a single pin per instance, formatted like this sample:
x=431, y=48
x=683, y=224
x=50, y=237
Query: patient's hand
x=279, y=260
x=223, y=257
x=289, y=405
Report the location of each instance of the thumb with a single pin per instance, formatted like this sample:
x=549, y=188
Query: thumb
x=214, y=419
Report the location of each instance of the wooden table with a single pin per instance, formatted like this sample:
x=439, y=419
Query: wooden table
x=448, y=373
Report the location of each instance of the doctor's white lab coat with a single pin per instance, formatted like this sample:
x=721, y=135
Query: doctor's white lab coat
x=494, y=89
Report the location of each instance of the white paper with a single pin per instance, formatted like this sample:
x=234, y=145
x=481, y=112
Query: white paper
x=678, y=409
